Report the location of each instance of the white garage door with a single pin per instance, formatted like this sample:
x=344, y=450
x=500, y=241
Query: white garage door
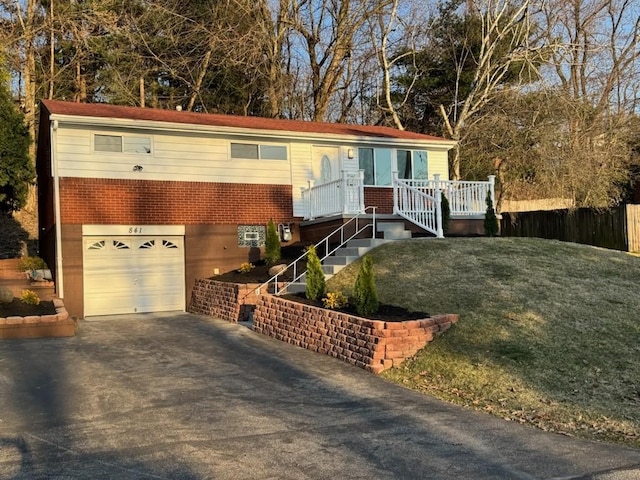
x=133, y=274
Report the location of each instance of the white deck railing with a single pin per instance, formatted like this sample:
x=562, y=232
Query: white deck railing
x=342, y=196
x=418, y=204
x=465, y=198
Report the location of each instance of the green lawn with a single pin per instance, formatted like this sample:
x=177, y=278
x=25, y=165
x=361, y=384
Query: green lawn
x=549, y=332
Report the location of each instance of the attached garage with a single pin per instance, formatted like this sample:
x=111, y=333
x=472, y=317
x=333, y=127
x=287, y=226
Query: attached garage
x=133, y=273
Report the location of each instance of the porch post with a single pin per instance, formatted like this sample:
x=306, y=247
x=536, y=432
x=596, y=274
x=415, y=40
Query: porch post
x=344, y=195
x=361, y=190
x=492, y=189
x=395, y=192
x=440, y=233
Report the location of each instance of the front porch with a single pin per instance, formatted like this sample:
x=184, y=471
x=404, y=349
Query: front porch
x=414, y=203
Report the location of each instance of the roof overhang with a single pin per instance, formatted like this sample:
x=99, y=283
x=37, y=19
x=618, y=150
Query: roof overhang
x=89, y=121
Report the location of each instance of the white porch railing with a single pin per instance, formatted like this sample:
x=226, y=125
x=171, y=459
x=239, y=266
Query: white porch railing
x=465, y=198
x=342, y=196
x=418, y=204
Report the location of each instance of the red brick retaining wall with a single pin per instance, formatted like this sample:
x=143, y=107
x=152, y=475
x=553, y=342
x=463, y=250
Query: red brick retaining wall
x=370, y=344
x=232, y=302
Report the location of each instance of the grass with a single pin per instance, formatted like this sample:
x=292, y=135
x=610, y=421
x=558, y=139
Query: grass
x=549, y=332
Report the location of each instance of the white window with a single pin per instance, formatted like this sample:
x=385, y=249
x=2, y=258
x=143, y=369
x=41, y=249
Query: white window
x=254, y=151
x=379, y=163
x=412, y=164
x=121, y=144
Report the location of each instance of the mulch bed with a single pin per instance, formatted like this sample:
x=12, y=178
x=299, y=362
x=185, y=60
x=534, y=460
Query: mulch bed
x=386, y=312
x=260, y=272
x=17, y=308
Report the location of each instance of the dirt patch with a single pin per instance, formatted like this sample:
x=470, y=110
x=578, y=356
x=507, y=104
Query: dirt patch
x=17, y=308
x=386, y=312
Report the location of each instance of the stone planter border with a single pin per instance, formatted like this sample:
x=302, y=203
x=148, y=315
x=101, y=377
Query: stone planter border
x=370, y=344
x=58, y=325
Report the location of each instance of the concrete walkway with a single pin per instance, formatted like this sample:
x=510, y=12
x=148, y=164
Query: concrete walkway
x=188, y=397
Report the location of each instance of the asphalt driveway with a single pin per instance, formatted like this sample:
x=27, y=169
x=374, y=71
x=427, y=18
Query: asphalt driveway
x=188, y=397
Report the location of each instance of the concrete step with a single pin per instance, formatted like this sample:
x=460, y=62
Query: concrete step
x=331, y=270
x=367, y=242
x=297, y=287
x=339, y=260
x=350, y=251
x=393, y=230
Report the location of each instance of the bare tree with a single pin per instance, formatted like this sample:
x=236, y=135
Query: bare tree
x=502, y=22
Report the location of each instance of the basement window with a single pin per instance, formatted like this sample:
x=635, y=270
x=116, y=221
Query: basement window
x=121, y=144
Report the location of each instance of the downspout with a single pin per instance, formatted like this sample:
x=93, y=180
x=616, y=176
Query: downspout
x=56, y=206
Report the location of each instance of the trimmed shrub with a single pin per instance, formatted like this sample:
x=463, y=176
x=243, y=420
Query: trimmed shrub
x=315, y=276
x=365, y=295
x=272, y=245
x=445, y=209
x=491, y=227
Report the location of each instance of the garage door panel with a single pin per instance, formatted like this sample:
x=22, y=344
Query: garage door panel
x=133, y=274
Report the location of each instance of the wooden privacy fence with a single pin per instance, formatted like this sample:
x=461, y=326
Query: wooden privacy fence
x=617, y=228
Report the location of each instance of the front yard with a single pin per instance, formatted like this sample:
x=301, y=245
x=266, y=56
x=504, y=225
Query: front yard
x=549, y=332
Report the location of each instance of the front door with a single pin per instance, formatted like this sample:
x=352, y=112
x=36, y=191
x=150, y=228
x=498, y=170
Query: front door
x=326, y=164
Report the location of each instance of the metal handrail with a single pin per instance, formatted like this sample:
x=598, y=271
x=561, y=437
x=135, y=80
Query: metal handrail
x=318, y=245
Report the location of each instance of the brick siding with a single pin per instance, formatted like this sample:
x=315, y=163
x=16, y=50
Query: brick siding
x=380, y=197
x=109, y=201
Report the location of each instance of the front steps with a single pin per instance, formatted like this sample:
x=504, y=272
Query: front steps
x=355, y=249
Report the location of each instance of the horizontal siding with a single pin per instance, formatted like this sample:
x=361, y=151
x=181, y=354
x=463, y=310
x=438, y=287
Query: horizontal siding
x=185, y=157
x=438, y=163
x=301, y=174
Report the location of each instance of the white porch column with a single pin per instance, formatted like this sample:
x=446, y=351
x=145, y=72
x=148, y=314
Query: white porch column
x=492, y=189
x=361, y=190
x=395, y=192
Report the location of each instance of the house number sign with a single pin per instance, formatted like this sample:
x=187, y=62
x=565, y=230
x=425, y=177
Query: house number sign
x=135, y=230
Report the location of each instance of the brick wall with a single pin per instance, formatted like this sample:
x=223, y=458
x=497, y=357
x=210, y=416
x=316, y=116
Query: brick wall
x=380, y=197
x=110, y=201
x=232, y=302
x=370, y=344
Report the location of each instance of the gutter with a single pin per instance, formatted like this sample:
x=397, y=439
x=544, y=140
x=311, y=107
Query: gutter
x=56, y=203
x=174, y=127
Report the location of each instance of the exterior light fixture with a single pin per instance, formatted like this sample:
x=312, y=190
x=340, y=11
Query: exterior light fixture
x=351, y=153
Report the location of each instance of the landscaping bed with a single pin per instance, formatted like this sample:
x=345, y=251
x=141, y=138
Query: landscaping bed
x=48, y=319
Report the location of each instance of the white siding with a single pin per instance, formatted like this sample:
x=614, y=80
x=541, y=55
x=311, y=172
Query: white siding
x=301, y=174
x=181, y=157
x=438, y=162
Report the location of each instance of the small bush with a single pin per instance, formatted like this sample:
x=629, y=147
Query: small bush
x=491, y=227
x=30, y=297
x=31, y=263
x=246, y=267
x=364, y=292
x=272, y=245
x=6, y=295
x=315, y=284
x=334, y=300
x=445, y=209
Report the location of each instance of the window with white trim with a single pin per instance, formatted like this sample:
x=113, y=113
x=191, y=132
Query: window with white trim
x=412, y=164
x=379, y=163
x=256, y=151
x=121, y=143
